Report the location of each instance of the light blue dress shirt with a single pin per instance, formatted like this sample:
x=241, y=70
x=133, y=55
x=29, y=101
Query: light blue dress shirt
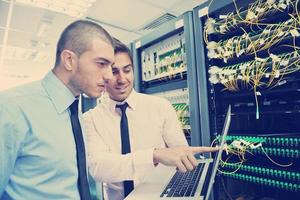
x=37, y=147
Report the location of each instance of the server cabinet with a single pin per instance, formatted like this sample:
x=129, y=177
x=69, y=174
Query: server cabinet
x=165, y=66
x=248, y=56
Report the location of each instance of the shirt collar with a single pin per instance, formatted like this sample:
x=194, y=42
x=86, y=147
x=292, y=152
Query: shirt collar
x=131, y=100
x=58, y=92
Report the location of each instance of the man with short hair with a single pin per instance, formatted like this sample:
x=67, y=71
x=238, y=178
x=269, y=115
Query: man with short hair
x=128, y=135
x=42, y=151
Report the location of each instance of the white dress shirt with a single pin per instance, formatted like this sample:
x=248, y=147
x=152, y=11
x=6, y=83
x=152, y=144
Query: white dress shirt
x=152, y=123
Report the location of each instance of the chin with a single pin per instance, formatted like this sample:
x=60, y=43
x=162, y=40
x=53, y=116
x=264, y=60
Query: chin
x=95, y=94
x=119, y=98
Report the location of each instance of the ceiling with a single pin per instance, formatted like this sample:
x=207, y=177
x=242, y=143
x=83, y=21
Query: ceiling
x=30, y=34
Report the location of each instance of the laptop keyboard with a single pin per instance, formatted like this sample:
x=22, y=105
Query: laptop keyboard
x=183, y=184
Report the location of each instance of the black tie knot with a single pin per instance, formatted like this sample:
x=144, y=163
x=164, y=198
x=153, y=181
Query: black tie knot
x=122, y=107
x=74, y=107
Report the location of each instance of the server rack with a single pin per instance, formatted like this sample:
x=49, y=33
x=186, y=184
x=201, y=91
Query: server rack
x=166, y=67
x=247, y=56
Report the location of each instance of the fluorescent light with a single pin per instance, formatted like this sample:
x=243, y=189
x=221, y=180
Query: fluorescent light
x=75, y=8
x=42, y=29
x=24, y=54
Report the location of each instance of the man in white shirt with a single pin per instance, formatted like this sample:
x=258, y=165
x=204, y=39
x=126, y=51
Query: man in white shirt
x=155, y=135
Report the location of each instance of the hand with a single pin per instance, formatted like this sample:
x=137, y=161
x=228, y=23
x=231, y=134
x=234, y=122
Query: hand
x=181, y=157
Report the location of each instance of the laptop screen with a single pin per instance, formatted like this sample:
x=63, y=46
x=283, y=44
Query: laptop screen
x=219, y=153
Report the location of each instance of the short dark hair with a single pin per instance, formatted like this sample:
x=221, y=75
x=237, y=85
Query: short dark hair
x=119, y=47
x=77, y=37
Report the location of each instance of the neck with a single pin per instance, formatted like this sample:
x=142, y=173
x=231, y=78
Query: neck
x=65, y=78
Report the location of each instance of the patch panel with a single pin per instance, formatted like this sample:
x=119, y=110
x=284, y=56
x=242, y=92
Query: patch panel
x=253, y=139
x=180, y=100
x=283, y=141
x=164, y=59
x=292, y=187
x=250, y=43
x=277, y=152
x=258, y=11
x=293, y=142
x=178, y=96
x=291, y=176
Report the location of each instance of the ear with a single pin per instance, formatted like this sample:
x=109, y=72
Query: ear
x=68, y=59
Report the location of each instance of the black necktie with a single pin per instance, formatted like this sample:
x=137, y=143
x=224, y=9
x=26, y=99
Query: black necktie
x=83, y=185
x=128, y=185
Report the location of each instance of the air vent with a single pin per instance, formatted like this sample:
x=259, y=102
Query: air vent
x=157, y=22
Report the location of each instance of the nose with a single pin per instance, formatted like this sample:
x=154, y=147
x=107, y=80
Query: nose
x=107, y=74
x=121, y=77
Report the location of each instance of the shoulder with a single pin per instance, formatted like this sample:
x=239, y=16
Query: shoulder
x=15, y=102
x=13, y=114
x=17, y=95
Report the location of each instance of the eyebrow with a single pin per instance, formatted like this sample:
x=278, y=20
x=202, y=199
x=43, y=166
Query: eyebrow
x=121, y=67
x=103, y=59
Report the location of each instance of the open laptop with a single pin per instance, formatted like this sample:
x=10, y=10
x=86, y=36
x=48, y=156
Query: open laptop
x=167, y=183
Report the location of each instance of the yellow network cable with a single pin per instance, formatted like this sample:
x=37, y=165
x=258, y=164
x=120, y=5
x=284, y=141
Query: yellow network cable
x=276, y=163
